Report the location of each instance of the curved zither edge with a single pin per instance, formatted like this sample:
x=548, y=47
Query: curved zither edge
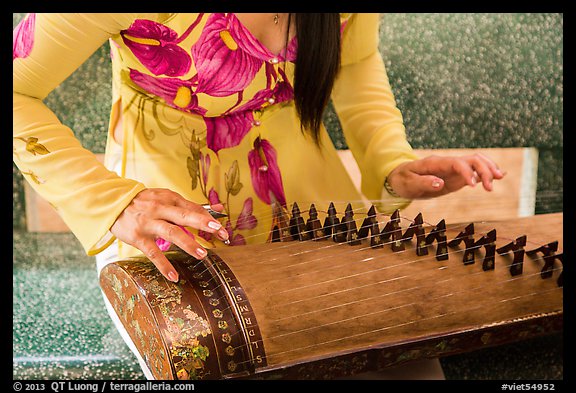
x=193, y=329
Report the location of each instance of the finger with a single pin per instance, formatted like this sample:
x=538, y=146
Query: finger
x=424, y=186
x=465, y=170
x=497, y=173
x=214, y=213
x=484, y=170
x=194, y=216
x=176, y=235
x=432, y=184
x=218, y=207
x=171, y=206
x=157, y=257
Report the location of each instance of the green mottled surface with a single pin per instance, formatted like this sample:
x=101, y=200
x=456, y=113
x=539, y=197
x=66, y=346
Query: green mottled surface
x=61, y=329
x=461, y=80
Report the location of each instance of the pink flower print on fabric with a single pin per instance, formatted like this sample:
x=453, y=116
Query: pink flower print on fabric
x=291, y=51
x=176, y=92
x=281, y=92
x=227, y=131
x=23, y=37
x=265, y=173
x=225, y=57
x=235, y=239
x=213, y=197
x=155, y=46
x=252, y=45
x=246, y=220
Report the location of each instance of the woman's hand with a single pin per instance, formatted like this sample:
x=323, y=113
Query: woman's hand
x=434, y=176
x=158, y=213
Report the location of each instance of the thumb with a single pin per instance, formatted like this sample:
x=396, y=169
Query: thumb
x=423, y=186
x=429, y=185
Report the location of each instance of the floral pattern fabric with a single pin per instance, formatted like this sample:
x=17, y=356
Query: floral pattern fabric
x=204, y=109
x=226, y=59
x=23, y=37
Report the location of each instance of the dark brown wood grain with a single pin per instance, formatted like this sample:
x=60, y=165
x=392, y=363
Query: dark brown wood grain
x=326, y=309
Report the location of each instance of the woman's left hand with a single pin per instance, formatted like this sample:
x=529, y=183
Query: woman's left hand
x=434, y=176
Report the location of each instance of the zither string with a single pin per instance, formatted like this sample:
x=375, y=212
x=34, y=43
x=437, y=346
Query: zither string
x=405, y=305
x=291, y=244
x=363, y=205
x=420, y=258
x=348, y=337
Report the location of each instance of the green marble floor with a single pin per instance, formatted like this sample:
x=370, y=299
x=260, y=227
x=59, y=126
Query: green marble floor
x=61, y=329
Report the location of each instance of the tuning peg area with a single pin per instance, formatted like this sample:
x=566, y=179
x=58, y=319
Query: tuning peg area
x=344, y=230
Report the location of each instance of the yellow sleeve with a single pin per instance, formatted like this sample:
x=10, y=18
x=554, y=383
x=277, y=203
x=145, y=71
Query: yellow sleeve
x=371, y=122
x=47, y=49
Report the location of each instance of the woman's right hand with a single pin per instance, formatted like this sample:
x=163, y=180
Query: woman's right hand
x=158, y=213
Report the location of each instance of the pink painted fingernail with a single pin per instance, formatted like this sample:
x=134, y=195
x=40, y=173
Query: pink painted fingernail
x=201, y=252
x=223, y=234
x=214, y=225
x=172, y=276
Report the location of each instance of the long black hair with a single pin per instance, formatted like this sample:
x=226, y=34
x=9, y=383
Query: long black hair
x=316, y=68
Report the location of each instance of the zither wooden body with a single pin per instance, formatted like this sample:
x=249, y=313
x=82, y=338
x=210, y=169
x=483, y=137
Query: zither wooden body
x=367, y=294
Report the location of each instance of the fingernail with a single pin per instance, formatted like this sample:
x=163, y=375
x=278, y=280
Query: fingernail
x=436, y=183
x=172, y=276
x=201, y=252
x=214, y=225
x=223, y=234
x=473, y=180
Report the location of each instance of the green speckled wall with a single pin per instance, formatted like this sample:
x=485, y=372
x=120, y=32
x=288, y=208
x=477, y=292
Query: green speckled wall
x=461, y=80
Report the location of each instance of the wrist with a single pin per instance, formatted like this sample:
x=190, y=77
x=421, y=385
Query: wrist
x=389, y=189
